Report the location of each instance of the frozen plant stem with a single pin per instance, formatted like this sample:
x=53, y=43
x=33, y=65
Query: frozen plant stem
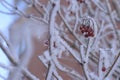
x=10, y=56
x=69, y=28
x=86, y=59
x=111, y=68
x=112, y=20
x=117, y=34
x=50, y=70
x=117, y=7
x=98, y=35
x=52, y=29
x=72, y=52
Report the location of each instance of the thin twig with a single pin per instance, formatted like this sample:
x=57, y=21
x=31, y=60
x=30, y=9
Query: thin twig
x=111, y=68
x=112, y=20
x=117, y=34
x=69, y=28
x=52, y=29
x=7, y=52
x=67, y=25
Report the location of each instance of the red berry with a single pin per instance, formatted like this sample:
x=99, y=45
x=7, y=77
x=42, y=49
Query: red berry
x=86, y=35
x=80, y=27
x=82, y=31
x=90, y=33
x=103, y=69
x=89, y=29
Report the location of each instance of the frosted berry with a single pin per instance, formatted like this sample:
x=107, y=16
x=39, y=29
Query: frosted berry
x=87, y=31
x=103, y=69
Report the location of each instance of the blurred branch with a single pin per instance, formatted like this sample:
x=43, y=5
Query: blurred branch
x=10, y=56
x=12, y=59
x=116, y=4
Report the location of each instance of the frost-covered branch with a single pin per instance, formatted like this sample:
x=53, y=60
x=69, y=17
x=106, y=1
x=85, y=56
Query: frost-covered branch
x=86, y=31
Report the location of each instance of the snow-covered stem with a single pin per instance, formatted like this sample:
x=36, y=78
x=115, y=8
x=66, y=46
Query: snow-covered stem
x=69, y=28
x=112, y=20
x=88, y=50
x=111, y=68
x=85, y=70
x=55, y=73
x=97, y=3
x=70, y=50
x=52, y=39
x=60, y=67
x=29, y=75
x=85, y=64
x=117, y=34
x=98, y=36
x=99, y=67
x=41, y=5
x=36, y=8
x=50, y=70
x=7, y=52
x=117, y=8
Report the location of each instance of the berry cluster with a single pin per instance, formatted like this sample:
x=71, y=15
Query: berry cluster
x=87, y=31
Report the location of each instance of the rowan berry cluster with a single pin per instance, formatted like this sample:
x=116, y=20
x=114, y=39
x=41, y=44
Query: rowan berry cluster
x=87, y=31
